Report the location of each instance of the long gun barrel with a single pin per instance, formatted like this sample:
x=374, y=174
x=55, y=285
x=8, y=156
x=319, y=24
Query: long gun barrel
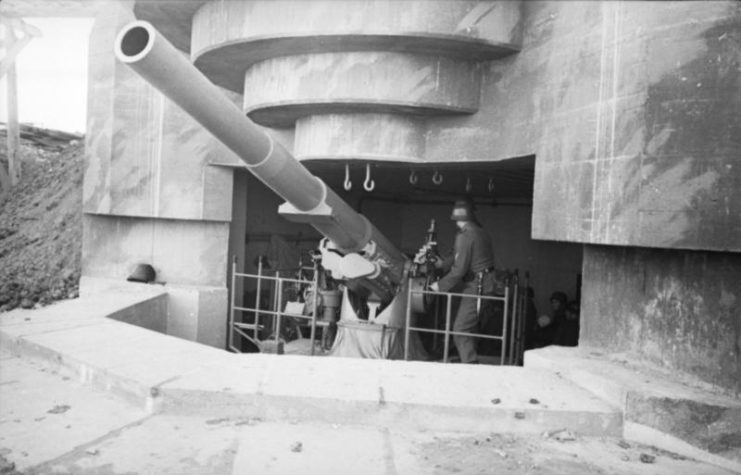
x=308, y=199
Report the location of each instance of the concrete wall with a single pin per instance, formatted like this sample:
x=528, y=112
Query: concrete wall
x=150, y=314
x=144, y=156
x=633, y=110
x=150, y=193
x=678, y=309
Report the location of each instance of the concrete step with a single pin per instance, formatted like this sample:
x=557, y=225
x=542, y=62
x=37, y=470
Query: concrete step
x=422, y=396
x=660, y=408
x=168, y=375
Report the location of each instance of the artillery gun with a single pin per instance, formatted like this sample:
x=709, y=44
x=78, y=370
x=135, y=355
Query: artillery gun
x=373, y=271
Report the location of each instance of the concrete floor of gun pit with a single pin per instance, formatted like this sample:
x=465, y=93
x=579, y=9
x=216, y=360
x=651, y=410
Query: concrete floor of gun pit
x=51, y=423
x=82, y=393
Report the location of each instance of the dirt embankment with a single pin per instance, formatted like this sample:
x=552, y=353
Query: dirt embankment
x=41, y=221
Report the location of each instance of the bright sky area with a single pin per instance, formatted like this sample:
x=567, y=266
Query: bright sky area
x=52, y=75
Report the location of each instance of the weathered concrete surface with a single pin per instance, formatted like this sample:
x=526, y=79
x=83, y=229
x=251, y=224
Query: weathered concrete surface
x=150, y=314
x=278, y=90
x=45, y=415
x=150, y=192
x=229, y=37
x=77, y=337
x=632, y=110
x=171, y=375
x=653, y=109
x=53, y=424
x=144, y=156
x=84, y=311
x=416, y=396
x=56, y=425
x=172, y=314
x=365, y=136
x=659, y=407
x=189, y=258
x=655, y=162
x=676, y=309
x=174, y=19
x=198, y=314
x=346, y=58
x=181, y=252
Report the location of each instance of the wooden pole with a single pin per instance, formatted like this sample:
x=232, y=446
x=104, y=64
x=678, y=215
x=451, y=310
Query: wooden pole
x=12, y=53
x=14, y=134
x=4, y=177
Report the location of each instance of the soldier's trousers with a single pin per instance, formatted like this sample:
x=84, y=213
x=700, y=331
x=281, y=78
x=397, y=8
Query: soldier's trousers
x=467, y=320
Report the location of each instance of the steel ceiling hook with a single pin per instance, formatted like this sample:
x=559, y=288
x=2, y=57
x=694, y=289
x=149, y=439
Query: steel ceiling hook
x=368, y=184
x=413, y=178
x=347, y=184
x=437, y=178
x=468, y=184
x=491, y=184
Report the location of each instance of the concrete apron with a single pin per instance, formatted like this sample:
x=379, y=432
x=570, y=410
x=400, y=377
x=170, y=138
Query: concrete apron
x=164, y=374
x=659, y=408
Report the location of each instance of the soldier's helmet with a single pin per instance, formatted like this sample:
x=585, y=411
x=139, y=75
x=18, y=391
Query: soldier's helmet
x=463, y=211
x=142, y=273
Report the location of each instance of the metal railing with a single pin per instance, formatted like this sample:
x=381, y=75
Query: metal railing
x=517, y=348
x=242, y=328
x=510, y=338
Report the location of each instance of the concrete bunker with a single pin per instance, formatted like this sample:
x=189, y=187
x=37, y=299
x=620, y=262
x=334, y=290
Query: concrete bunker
x=635, y=165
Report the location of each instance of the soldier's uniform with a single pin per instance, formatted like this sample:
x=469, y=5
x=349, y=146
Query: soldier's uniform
x=473, y=255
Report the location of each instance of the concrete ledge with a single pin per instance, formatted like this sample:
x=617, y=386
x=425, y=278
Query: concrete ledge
x=164, y=374
x=359, y=82
x=224, y=64
x=660, y=409
x=421, y=396
x=83, y=338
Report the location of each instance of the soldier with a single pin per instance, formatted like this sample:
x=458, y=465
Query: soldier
x=471, y=265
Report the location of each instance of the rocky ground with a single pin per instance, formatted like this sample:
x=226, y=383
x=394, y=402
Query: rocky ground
x=40, y=221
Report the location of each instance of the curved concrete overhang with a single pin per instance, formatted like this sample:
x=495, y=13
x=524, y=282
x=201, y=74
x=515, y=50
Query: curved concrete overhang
x=283, y=114
x=228, y=37
x=225, y=63
x=364, y=137
x=218, y=21
x=359, y=81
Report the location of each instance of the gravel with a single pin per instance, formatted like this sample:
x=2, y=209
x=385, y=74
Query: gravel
x=41, y=227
